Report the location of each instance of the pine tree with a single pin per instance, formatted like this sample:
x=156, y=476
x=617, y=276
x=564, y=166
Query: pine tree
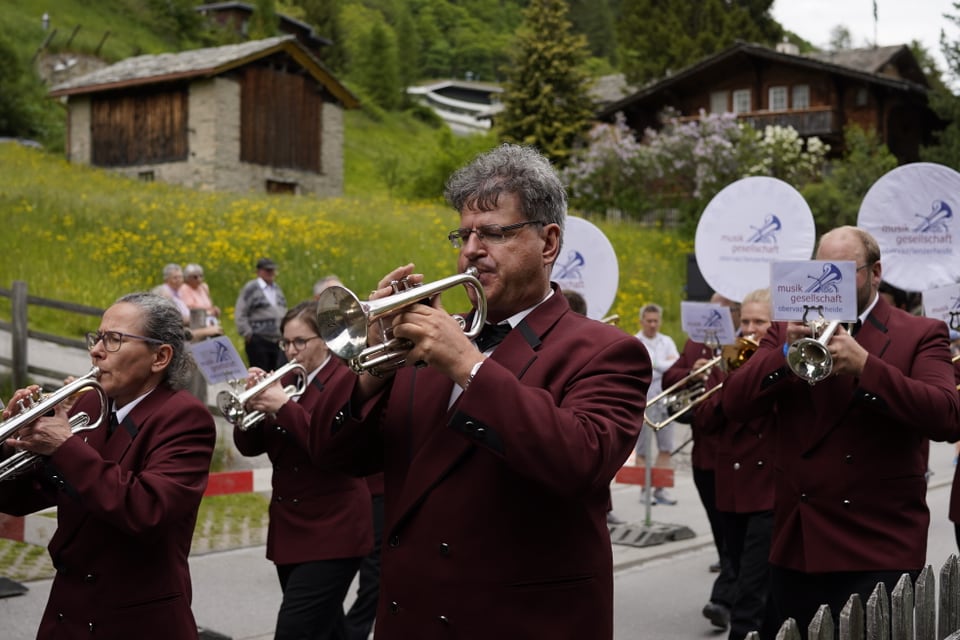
x=659, y=37
x=546, y=100
x=263, y=22
x=324, y=17
x=946, y=105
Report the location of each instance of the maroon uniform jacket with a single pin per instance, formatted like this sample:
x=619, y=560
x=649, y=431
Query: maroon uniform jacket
x=315, y=514
x=703, y=454
x=126, y=509
x=745, y=453
x=495, y=508
x=852, y=452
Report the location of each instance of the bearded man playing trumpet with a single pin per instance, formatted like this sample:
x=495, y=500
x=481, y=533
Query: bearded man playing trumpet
x=851, y=449
x=497, y=457
x=127, y=496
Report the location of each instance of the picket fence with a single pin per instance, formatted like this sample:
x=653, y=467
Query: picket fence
x=909, y=613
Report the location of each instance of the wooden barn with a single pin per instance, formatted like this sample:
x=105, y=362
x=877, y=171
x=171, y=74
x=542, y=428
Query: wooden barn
x=880, y=88
x=260, y=116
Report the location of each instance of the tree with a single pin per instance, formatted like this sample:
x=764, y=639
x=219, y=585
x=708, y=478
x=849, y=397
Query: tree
x=23, y=100
x=545, y=97
x=324, y=16
x=657, y=37
x=946, y=105
x=264, y=21
x=836, y=199
x=840, y=38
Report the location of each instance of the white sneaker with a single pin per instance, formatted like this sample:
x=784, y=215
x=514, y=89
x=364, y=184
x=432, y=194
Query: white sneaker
x=661, y=496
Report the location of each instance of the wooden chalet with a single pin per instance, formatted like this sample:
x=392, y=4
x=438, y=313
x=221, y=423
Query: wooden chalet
x=264, y=115
x=880, y=88
x=236, y=17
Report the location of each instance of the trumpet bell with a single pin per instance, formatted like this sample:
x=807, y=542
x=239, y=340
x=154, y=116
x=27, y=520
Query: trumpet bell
x=345, y=321
x=809, y=358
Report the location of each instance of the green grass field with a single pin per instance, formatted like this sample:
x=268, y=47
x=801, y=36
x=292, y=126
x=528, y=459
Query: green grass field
x=88, y=236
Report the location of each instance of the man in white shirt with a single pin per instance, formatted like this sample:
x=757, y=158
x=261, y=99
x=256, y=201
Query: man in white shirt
x=663, y=353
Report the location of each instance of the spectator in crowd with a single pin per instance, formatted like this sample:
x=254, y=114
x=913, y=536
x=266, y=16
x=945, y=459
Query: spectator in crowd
x=127, y=493
x=260, y=308
x=320, y=525
x=663, y=353
x=172, y=282
x=852, y=449
x=497, y=459
x=195, y=293
x=744, y=481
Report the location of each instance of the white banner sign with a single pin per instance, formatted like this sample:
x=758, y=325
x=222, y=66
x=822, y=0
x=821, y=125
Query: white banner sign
x=811, y=289
x=910, y=213
x=943, y=303
x=218, y=360
x=749, y=224
x=588, y=265
x=707, y=322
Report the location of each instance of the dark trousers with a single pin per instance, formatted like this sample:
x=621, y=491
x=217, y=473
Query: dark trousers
x=364, y=609
x=265, y=353
x=747, y=536
x=798, y=595
x=724, y=587
x=313, y=592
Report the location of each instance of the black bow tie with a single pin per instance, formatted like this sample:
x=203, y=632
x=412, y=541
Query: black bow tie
x=491, y=335
x=114, y=423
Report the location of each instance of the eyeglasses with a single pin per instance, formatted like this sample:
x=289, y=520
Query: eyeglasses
x=488, y=233
x=299, y=343
x=865, y=266
x=112, y=340
x=196, y=275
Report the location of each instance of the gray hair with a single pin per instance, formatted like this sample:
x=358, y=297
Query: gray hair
x=162, y=321
x=651, y=308
x=324, y=282
x=511, y=169
x=191, y=269
x=170, y=269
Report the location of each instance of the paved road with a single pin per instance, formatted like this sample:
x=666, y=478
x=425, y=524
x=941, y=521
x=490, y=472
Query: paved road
x=659, y=590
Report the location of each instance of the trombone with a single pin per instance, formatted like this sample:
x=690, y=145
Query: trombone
x=345, y=321
x=39, y=405
x=232, y=404
x=731, y=357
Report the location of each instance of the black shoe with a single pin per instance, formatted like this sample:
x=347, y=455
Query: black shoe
x=717, y=614
x=715, y=567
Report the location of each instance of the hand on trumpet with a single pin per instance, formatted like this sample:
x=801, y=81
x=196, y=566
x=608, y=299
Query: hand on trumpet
x=44, y=435
x=271, y=399
x=848, y=356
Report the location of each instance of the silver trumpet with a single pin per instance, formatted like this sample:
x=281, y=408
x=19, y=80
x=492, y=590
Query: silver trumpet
x=345, y=321
x=232, y=404
x=37, y=406
x=810, y=358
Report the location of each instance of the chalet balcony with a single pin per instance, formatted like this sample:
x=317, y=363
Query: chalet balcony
x=815, y=121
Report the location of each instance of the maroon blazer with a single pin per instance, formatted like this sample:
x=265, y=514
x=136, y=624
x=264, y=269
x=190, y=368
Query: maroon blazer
x=315, y=514
x=954, y=513
x=703, y=454
x=852, y=452
x=495, y=509
x=745, y=452
x=126, y=510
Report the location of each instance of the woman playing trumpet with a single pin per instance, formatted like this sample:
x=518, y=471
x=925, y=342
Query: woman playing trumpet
x=320, y=521
x=127, y=498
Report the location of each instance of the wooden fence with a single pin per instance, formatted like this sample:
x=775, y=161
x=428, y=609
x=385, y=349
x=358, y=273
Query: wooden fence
x=20, y=332
x=909, y=613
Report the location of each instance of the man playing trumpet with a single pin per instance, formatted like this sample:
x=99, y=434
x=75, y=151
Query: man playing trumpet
x=497, y=458
x=127, y=495
x=852, y=449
